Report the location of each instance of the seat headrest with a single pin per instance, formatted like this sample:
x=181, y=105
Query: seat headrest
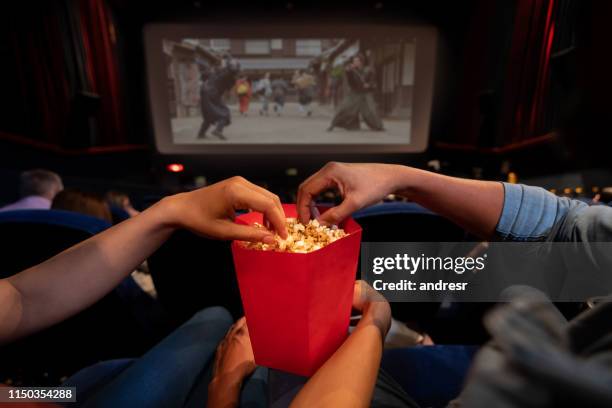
x=66, y=219
x=396, y=207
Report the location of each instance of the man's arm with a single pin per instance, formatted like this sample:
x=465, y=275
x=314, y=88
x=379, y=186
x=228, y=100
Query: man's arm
x=76, y=278
x=473, y=204
x=348, y=378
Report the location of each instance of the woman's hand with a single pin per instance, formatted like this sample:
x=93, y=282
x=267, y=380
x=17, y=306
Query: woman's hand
x=210, y=211
x=74, y=279
x=360, y=185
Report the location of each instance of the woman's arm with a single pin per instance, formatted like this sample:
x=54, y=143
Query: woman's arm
x=473, y=204
x=76, y=278
x=348, y=378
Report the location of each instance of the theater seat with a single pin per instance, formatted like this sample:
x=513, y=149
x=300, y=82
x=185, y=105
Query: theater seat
x=410, y=222
x=405, y=222
x=118, y=214
x=102, y=331
x=191, y=272
x=36, y=235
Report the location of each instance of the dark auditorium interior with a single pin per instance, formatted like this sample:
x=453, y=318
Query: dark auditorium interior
x=105, y=97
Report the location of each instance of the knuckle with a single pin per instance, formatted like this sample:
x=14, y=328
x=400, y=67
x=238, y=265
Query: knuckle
x=237, y=180
x=351, y=201
x=270, y=201
x=333, y=166
x=231, y=189
x=332, y=215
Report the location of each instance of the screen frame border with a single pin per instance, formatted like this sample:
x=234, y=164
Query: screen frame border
x=159, y=115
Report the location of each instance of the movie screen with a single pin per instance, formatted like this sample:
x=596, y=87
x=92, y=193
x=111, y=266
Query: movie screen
x=290, y=91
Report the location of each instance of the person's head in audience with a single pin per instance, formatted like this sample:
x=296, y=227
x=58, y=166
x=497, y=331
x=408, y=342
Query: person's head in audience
x=604, y=196
x=40, y=182
x=82, y=202
x=37, y=188
x=121, y=200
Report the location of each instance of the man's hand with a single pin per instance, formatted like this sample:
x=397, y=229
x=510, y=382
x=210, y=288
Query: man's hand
x=360, y=185
x=234, y=361
x=210, y=211
x=374, y=307
x=474, y=205
x=348, y=377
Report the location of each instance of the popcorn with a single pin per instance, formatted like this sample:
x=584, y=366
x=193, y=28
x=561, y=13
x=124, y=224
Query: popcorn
x=301, y=238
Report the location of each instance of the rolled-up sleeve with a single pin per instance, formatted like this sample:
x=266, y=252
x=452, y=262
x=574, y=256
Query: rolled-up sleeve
x=531, y=213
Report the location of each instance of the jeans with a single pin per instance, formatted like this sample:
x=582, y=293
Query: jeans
x=431, y=375
x=174, y=373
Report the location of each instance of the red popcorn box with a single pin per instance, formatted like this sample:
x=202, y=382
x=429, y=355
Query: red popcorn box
x=297, y=305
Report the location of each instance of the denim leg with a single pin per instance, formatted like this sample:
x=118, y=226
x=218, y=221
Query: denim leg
x=254, y=393
x=431, y=375
x=283, y=387
x=255, y=390
x=165, y=375
x=91, y=379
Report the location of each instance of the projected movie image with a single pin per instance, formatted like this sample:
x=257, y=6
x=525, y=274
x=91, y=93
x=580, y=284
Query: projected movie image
x=290, y=91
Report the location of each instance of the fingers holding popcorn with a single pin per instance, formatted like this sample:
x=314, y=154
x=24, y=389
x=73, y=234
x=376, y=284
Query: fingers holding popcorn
x=301, y=238
x=210, y=211
x=359, y=184
x=309, y=189
x=336, y=215
x=275, y=199
x=248, y=196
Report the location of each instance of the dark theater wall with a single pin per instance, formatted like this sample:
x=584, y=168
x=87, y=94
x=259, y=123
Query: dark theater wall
x=60, y=75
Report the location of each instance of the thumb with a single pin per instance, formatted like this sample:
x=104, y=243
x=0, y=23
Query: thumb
x=248, y=233
x=359, y=297
x=336, y=215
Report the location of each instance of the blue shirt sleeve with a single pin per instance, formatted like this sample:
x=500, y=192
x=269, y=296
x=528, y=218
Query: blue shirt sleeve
x=586, y=225
x=532, y=213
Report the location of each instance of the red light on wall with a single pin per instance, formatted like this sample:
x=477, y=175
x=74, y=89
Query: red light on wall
x=175, y=167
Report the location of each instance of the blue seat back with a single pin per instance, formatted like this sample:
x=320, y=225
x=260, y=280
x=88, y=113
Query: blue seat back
x=392, y=208
x=118, y=214
x=192, y=272
x=60, y=218
x=32, y=236
x=405, y=222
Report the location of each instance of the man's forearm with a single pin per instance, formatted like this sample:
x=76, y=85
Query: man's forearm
x=473, y=204
x=76, y=278
x=347, y=379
